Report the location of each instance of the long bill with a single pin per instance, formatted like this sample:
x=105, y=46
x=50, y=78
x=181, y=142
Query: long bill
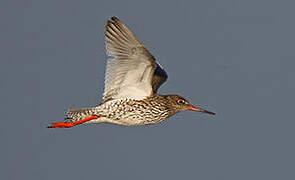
x=193, y=108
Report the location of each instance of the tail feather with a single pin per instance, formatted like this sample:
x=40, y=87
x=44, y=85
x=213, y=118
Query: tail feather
x=79, y=114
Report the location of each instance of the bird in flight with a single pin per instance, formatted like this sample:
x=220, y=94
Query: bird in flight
x=132, y=79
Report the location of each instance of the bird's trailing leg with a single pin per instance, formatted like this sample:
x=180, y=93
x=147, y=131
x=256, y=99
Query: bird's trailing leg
x=71, y=124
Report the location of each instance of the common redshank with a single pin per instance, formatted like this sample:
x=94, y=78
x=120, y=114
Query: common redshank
x=131, y=82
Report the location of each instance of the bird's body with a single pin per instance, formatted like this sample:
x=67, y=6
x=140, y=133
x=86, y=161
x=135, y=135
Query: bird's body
x=128, y=112
x=131, y=83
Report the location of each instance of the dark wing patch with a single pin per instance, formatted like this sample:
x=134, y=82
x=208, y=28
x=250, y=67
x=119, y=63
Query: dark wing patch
x=160, y=76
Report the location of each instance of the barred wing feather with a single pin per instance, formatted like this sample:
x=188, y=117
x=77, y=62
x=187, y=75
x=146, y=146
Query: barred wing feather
x=131, y=67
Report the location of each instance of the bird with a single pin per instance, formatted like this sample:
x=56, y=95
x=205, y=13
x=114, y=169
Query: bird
x=132, y=79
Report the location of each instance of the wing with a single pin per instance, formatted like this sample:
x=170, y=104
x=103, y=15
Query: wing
x=160, y=76
x=130, y=69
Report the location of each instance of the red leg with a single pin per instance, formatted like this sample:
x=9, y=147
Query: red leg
x=71, y=124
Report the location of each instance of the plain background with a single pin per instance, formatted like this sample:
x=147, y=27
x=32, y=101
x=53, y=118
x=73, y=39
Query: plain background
x=233, y=57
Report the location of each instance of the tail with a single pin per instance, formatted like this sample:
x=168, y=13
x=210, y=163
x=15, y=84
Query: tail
x=79, y=114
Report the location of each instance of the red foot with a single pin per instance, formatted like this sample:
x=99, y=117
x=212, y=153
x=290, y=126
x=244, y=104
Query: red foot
x=71, y=124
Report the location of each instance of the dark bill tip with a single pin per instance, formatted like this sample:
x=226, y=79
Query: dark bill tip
x=208, y=112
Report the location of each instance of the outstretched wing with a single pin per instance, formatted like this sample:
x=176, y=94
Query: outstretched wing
x=130, y=69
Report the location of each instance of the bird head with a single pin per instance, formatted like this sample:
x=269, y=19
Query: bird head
x=181, y=104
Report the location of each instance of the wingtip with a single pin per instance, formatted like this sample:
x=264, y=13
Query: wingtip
x=108, y=25
x=114, y=18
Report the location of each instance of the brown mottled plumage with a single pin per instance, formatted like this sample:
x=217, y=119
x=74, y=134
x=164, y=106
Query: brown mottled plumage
x=131, y=83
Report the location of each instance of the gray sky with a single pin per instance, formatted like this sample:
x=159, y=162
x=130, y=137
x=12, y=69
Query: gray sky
x=233, y=57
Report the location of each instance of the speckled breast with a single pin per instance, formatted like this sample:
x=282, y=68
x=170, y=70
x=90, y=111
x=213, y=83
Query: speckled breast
x=134, y=112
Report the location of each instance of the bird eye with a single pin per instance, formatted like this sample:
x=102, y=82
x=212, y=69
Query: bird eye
x=180, y=101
